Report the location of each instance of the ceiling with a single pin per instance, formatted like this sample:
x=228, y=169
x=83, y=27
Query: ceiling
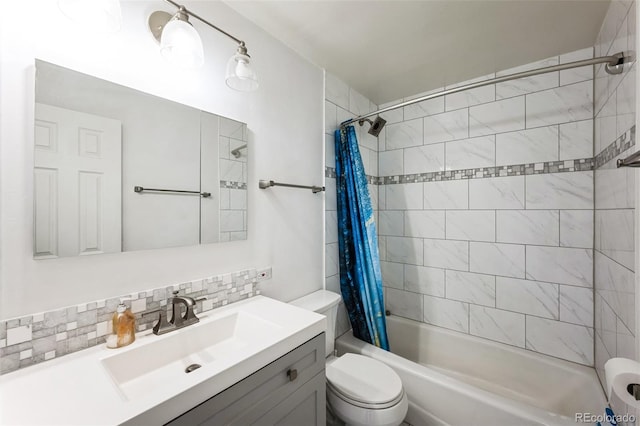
x=390, y=49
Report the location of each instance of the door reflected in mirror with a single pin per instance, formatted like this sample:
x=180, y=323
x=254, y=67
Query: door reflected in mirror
x=116, y=169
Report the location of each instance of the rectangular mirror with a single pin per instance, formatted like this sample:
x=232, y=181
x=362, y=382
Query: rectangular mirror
x=116, y=169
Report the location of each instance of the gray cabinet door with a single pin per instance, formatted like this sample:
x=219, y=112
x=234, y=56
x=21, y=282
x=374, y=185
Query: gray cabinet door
x=306, y=407
x=292, y=377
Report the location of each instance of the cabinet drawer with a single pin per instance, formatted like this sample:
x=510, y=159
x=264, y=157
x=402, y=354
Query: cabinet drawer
x=251, y=398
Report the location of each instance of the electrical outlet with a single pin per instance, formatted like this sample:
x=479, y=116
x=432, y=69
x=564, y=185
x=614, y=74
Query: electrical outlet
x=264, y=274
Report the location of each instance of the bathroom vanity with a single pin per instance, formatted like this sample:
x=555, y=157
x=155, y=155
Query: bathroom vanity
x=289, y=391
x=260, y=360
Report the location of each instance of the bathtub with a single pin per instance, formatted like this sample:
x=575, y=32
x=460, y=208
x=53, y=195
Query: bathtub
x=456, y=379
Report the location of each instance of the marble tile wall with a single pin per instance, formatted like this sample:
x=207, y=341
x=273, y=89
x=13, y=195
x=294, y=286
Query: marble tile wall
x=486, y=211
x=43, y=336
x=614, y=254
x=342, y=103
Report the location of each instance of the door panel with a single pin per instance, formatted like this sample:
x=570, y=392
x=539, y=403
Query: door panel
x=77, y=203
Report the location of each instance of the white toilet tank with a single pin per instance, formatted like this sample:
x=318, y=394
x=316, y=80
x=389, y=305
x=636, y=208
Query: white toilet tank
x=326, y=303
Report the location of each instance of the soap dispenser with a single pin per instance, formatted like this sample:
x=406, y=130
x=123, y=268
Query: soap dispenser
x=124, y=327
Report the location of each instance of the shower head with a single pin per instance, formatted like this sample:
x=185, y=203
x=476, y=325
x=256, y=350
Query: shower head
x=376, y=125
x=236, y=152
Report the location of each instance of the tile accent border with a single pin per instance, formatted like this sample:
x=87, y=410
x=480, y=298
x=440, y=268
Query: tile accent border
x=620, y=145
x=580, y=165
x=330, y=172
x=232, y=185
x=617, y=147
x=36, y=338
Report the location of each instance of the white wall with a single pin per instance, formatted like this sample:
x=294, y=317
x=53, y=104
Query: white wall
x=285, y=124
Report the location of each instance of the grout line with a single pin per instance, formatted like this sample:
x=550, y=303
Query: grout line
x=557, y=126
x=524, y=195
x=445, y=225
x=444, y=273
x=469, y=318
x=525, y=263
x=525, y=332
x=468, y=195
x=559, y=308
x=525, y=111
x=611, y=259
x=560, y=228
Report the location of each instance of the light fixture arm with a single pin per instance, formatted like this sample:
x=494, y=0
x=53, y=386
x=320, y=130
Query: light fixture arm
x=204, y=21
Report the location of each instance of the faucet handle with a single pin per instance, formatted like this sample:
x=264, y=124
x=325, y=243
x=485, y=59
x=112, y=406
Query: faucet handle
x=162, y=326
x=198, y=299
x=190, y=314
x=153, y=311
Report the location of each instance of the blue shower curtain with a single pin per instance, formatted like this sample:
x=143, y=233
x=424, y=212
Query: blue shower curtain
x=360, y=276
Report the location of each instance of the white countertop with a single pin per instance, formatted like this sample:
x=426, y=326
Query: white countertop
x=77, y=389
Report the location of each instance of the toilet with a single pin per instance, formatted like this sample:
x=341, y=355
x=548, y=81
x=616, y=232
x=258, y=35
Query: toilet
x=361, y=391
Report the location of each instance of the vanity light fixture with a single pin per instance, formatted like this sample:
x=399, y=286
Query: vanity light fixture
x=98, y=15
x=181, y=44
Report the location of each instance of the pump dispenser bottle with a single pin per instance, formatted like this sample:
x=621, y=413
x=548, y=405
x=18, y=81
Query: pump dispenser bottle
x=124, y=327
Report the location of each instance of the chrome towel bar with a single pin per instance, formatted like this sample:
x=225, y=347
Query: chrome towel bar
x=631, y=161
x=175, y=191
x=264, y=184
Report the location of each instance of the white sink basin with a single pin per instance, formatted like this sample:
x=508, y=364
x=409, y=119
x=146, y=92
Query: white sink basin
x=217, y=341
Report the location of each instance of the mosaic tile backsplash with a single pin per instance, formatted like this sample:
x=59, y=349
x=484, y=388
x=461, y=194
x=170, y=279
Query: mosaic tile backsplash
x=43, y=336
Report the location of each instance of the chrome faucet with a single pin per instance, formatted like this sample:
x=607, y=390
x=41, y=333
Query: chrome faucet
x=178, y=318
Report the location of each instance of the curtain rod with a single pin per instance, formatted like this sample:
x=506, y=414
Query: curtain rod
x=614, y=66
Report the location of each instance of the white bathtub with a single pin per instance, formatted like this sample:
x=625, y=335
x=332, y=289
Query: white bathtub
x=456, y=379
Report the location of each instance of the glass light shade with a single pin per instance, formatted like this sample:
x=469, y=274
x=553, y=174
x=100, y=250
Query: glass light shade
x=181, y=45
x=240, y=75
x=103, y=16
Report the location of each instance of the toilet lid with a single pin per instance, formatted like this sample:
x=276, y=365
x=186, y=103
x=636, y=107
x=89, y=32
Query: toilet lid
x=364, y=379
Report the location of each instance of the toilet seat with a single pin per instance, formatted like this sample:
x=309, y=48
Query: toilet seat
x=364, y=382
x=363, y=404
